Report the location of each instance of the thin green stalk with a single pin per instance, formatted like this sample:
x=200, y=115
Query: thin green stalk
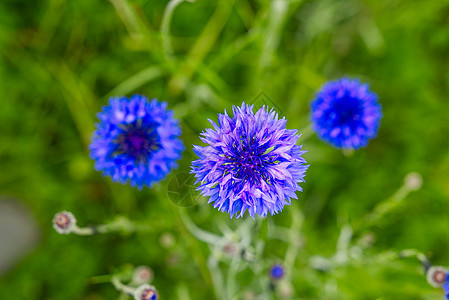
x=200, y=234
x=194, y=247
x=120, y=286
x=277, y=19
x=387, y=206
x=165, y=26
x=136, y=81
x=217, y=277
x=306, y=132
x=231, y=281
x=128, y=16
x=293, y=244
x=423, y=259
x=80, y=100
x=202, y=45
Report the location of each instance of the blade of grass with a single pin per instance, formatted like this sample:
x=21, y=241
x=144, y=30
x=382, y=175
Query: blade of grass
x=134, y=82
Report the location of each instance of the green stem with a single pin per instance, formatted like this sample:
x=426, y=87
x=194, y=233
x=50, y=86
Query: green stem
x=216, y=275
x=200, y=234
x=232, y=276
x=416, y=254
x=203, y=45
x=293, y=245
x=100, y=279
x=120, y=286
x=165, y=26
x=134, y=82
x=386, y=206
x=306, y=132
x=121, y=224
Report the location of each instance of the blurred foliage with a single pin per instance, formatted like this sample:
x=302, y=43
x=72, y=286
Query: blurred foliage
x=61, y=60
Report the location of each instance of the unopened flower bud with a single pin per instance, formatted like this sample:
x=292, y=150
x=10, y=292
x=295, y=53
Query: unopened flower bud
x=64, y=222
x=142, y=274
x=437, y=276
x=146, y=292
x=413, y=181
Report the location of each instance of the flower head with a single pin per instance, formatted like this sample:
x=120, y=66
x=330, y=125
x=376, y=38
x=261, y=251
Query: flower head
x=146, y=292
x=346, y=114
x=64, y=222
x=136, y=140
x=277, y=272
x=251, y=163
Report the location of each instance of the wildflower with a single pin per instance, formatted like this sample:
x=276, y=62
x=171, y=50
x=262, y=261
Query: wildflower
x=136, y=140
x=346, y=114
x=277, y=272
x=64, y=222
x=146, y=292
x=251, y=163
x=446, y=287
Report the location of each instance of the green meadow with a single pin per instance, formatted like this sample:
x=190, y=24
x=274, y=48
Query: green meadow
x=345, y=236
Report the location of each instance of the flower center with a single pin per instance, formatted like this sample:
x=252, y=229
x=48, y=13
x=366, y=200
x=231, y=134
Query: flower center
x=439, y=277
x=138, y=142
x=62, y=221
x=249, y=165
x=348, y=109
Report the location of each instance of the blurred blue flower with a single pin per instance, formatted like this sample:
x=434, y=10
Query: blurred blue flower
x=146, y=292
x=251, y=163
x=277, y=272
x=346, y=114
x=136, y=140
x=446, y=286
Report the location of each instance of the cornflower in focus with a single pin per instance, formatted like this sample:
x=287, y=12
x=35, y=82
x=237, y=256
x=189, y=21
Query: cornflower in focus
x=251, y=163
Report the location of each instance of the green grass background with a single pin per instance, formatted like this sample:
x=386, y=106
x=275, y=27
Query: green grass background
x=62, y=59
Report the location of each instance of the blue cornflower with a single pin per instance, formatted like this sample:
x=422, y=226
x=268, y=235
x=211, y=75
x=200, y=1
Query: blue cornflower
x=446, y=286
x=136, y=140
x=346, y=114
x=277, y=272
x=251, y=163
x=146, y=292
